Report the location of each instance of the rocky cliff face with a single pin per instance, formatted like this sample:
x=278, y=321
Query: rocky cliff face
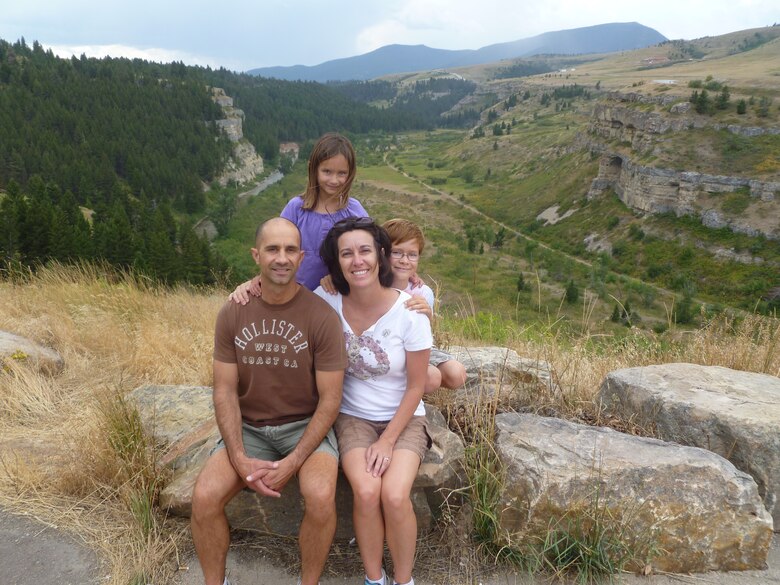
x=688, y=193
x=245, y=163
x=617, y=122
x=659, y=190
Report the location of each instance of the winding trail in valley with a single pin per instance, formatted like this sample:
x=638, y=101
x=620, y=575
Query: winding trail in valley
x=511, y=230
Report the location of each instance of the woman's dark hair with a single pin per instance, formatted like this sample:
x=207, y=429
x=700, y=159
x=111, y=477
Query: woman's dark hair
x=329, y=250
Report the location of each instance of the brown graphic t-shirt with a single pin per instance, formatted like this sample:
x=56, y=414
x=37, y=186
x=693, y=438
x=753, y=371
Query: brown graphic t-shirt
x=277, y=349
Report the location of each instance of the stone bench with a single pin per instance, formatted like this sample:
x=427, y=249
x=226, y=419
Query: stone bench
x=181, y=420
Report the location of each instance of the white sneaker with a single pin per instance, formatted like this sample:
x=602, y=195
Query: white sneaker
x=368, y=581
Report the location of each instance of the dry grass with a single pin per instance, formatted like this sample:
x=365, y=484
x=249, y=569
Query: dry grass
x=72, y=454
x=580, y=362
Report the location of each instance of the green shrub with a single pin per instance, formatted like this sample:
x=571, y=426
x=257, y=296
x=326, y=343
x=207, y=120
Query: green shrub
x=735, y=202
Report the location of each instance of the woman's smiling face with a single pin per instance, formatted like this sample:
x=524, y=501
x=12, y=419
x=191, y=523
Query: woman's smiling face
x=358, y=258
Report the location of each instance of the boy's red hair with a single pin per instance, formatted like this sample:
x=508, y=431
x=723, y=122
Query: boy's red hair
x=403, y=230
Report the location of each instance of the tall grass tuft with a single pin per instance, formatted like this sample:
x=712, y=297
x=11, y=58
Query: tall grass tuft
x=485, y=475
x=593, y=542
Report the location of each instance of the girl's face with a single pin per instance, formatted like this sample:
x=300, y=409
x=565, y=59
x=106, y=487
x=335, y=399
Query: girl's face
x=358, y=258
x=332, y=174
x=404, y=257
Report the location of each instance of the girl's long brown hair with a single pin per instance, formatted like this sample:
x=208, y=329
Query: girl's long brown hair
x=329, y=145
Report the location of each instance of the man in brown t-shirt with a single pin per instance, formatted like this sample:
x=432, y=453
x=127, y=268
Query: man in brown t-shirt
x=278, y=370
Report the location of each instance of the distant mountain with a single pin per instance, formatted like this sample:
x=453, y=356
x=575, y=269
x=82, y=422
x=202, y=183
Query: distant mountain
x=602, y=38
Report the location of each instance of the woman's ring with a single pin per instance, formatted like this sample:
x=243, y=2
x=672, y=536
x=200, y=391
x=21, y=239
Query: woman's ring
x=387, y=458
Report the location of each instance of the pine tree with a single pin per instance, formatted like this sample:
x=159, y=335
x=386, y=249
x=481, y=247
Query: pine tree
x=498, y=241
x=520, y=282
x=722, y=101
x=161, y=258
x=572, y=293
x=194, y=264
x=628, y=314
x=113, y=236
x=63, y=238
x=35, y=231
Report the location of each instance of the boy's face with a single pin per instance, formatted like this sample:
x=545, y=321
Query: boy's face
x=402, y=264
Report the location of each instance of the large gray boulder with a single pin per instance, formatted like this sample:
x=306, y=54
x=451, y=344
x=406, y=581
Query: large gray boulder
x=702, y=512
x=732, y=413
x=20, y=350
x=170, y=412
x=181, y=419
x=491, y=370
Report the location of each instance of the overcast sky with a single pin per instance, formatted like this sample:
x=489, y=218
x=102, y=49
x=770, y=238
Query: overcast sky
x=243, y=34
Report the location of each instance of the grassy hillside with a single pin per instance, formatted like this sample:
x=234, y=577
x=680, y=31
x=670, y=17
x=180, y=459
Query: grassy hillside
x=514, y=177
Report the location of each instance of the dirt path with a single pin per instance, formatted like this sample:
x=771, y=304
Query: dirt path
x=249, y=565
x=35, y=553
x=513, y=231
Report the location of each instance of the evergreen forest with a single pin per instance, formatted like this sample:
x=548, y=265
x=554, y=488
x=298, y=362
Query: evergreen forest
x=110, y=159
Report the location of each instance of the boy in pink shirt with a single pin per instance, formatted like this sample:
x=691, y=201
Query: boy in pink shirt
x=408, y=243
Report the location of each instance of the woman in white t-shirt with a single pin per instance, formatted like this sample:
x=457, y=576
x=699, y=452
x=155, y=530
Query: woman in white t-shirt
x=381, y=427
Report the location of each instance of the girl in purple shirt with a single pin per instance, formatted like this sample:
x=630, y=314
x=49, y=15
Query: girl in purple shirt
x=325, y=201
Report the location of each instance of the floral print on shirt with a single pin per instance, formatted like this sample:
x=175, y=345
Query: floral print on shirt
x=367, y=358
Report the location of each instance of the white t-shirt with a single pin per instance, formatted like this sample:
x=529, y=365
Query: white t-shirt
x=423, y=291
x=375, y=380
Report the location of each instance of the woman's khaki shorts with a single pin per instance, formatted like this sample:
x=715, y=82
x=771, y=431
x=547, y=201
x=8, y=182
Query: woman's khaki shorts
x=355, y=433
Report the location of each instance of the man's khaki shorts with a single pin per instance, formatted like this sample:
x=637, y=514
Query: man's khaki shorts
x=355, y=433
x=271, y=443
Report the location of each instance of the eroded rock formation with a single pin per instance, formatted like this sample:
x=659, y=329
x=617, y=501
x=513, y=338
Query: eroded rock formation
x=245, y=164
x=655, y=190
x=166, y=410
x=661, y=190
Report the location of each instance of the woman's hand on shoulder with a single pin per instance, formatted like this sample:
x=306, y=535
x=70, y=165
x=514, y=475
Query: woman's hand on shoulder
x=240, y=296
x=416, y=281
x=327, y=285
x=419, y=305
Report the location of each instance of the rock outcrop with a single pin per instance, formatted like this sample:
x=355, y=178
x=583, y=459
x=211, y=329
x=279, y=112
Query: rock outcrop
x=611, y=121
x=734, y=414
x=493, y=369
x=181, y=420
x=698, y=509
x=635, y=120
x=20, y=350
x=654, y=190
x=170, y=412
x=245, y=164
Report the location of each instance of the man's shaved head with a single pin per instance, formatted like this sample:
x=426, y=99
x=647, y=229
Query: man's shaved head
x=275, y=222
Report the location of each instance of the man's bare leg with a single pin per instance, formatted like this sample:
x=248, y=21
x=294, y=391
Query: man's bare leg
x=317, y=481
x=216, y=485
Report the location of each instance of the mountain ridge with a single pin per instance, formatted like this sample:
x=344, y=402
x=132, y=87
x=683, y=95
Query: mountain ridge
x=397, y=58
